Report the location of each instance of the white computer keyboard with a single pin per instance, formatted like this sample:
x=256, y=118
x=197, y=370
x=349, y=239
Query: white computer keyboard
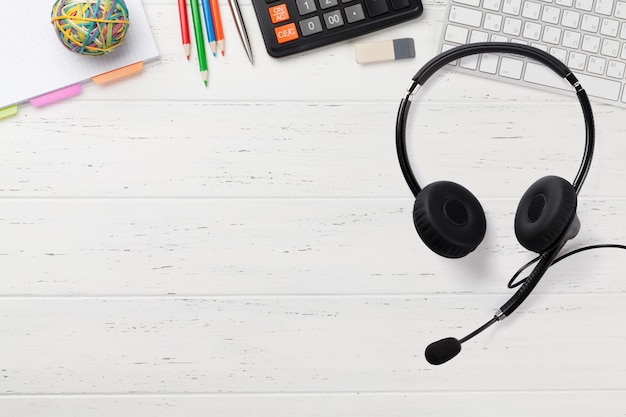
x=589, y=36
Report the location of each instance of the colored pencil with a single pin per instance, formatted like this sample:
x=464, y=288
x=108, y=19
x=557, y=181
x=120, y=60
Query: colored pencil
x=184, y=26
x=197, y=30
x=208, y=23
x=217, y=24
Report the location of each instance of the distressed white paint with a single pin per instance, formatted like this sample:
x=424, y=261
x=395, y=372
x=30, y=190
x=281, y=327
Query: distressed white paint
x=248, y=249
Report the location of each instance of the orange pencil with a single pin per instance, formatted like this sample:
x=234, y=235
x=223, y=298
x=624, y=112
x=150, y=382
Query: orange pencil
x=217, y=24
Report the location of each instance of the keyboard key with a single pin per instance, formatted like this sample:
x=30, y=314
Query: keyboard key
x=492, y=22
x=604, y=7
x=532, y=31
x=479, y=36
x=469, y=62
x=570, y=19
x=609, y=27
x=583, y=4
x=511, y=7
x=511, y=68
x=590, y=23
x=610, y=48
x=596, y=65
x=465, y=16
x=551, y=15
x=456, y=34
x=577, y=61
x=558, y=53
x=616, y=69
x=492, y=5
x=620, y=10
x=489, y=63
x=531, y=10
x=539, y=46
x=540, y=74
x=599, y=87
x=512, y=26
x=552, y=35
x=474, y=3
x=590, y=44
x=571, y=39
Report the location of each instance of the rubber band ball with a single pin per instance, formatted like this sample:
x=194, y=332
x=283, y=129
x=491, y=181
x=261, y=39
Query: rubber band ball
x=90, y=27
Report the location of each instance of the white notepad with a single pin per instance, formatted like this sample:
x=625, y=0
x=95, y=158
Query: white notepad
x=33, y=61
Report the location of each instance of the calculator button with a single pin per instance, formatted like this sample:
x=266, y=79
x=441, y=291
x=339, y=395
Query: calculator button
x=333, y=19
x=305, y=6
x=399, y=4
x=354, y=13
x=376, y=7
x=279, y=13
x=325, y=4
x=310, y=26
x=286, y=33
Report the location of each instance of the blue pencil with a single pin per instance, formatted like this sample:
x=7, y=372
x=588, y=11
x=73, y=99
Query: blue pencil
x=208, y=21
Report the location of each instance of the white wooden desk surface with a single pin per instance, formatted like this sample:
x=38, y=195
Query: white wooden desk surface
x=248, y=249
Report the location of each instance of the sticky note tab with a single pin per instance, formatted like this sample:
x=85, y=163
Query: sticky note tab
x=118, y=73
x=384, y=50
x=8, y=111
x=56, y=95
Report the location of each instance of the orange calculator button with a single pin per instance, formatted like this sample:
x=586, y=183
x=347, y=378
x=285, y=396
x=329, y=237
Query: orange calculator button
x=279, y=13
x=286, y=33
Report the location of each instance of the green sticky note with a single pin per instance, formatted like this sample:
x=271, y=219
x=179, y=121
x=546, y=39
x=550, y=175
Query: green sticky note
x=8, y=111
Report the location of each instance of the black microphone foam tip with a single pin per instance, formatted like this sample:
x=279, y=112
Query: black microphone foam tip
x=442, y=350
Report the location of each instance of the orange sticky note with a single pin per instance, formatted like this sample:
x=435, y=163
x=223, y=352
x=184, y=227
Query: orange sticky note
x=118, y=73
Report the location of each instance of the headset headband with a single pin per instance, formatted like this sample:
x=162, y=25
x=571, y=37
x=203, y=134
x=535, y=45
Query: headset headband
x=462, y=51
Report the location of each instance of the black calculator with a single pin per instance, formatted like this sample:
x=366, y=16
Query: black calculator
x=291, y=26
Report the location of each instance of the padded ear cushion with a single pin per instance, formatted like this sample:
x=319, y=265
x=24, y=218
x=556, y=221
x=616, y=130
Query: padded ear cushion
x=544, y=213
x=449, y=219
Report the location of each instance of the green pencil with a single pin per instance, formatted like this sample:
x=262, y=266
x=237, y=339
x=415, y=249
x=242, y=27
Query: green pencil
x=197, y=30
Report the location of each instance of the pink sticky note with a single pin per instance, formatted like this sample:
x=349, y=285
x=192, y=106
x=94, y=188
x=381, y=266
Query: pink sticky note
x=57, y=95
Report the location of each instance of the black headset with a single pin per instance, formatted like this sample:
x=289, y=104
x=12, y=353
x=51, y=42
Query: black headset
x=451, y=221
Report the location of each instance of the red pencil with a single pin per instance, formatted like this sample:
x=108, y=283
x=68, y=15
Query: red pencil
x=217, y=25
x=184, y=26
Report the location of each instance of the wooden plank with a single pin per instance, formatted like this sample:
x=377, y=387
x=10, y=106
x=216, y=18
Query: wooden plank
x=310, y=150
x=275, y=246
x=470, y=404
x=303, y=344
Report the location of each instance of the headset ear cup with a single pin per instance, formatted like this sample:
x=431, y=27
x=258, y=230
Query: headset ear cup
x=449, y=219
x=545, y=213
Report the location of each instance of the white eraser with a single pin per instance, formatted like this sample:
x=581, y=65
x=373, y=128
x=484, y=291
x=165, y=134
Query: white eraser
x=384, y=50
